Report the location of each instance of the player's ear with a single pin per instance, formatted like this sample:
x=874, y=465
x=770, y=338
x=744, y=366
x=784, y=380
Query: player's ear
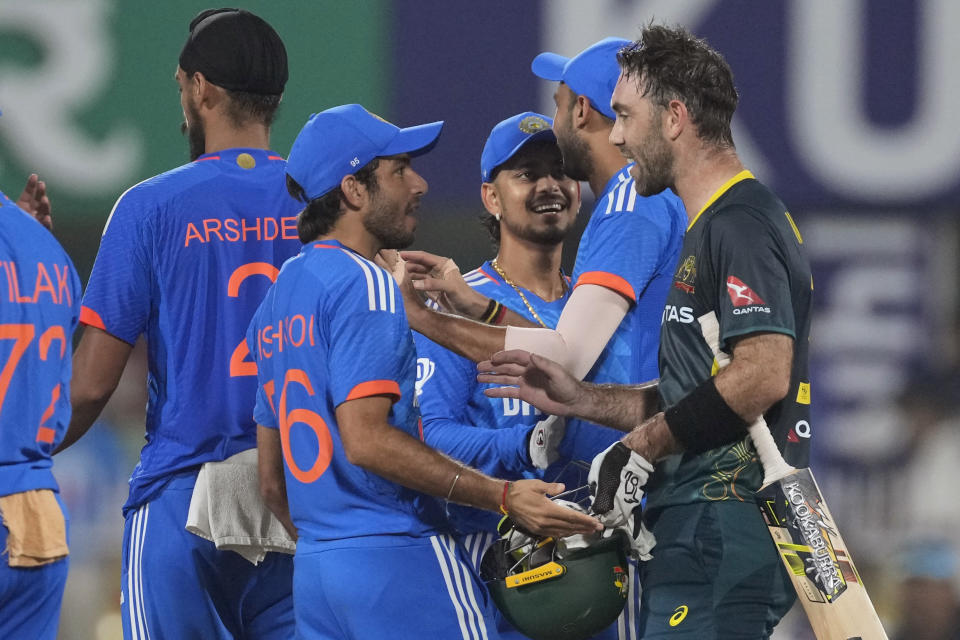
x=675, y=119
x=354, y=193
x=205, y=94
x=582, y=111
x=491, y=199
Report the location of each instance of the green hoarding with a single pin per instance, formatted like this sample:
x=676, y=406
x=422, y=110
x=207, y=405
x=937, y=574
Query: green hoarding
x=89, y=100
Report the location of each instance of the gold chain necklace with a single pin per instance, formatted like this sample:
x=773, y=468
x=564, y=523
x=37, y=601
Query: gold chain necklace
x=536, y=316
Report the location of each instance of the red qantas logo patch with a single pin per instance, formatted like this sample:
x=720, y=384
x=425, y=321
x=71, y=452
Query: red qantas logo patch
x=740, y=294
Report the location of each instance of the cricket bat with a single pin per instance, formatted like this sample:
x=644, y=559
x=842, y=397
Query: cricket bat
x=806, y=535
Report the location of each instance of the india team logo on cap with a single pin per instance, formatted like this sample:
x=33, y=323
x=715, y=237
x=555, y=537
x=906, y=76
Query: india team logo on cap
x=533, y=124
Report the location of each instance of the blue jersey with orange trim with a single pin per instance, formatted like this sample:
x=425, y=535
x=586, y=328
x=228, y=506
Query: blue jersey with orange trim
x=185, y=259
x=630, y=245
x=489, y=434
x=332, y=329
x=39, y=309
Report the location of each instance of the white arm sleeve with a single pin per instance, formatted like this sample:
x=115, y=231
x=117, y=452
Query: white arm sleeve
x=589, y=319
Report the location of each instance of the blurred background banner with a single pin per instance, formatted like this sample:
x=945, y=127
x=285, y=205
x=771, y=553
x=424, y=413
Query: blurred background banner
x=847, y=110
x=88, y=95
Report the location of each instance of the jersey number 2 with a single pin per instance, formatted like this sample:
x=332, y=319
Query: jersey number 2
x=240, y=364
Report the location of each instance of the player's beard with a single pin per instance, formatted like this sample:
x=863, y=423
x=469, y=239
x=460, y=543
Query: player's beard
x=387, y=220
x=196, y=136
x=654, y=171
x=576, y=154
x=546, y=235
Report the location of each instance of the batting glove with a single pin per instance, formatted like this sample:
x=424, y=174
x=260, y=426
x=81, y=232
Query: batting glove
x=544, y=441
x=617, y=476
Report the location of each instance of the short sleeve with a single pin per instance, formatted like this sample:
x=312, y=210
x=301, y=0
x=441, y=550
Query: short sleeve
x=370, y=339
x=625, y=248
x=117, y=299
x=751, y=274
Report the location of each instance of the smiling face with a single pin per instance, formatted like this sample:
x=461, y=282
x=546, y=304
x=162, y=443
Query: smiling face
x=638, y=133
x=537, y=202
x=394, y=202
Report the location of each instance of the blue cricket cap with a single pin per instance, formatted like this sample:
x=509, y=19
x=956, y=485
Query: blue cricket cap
x=342, y=140
x=509, y=136
x=593, y=72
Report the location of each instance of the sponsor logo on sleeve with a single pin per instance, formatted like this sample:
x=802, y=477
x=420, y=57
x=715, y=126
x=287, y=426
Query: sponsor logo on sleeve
x=745, y=300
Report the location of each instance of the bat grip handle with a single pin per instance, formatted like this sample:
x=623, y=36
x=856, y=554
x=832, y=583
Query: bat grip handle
x=774, y=466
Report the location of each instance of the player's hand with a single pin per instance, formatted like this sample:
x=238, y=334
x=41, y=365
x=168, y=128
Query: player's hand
x=534, y=379
x=617, y=476
x=543, y=443
x=34, y=201
x=413, y=301
x=439, y=278
x=531, y=510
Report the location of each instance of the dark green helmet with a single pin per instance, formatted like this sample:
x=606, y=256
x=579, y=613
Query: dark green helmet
x=551, y=595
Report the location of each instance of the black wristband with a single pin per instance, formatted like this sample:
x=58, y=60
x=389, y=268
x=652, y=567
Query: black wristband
x=703, y=420
x=490, y=313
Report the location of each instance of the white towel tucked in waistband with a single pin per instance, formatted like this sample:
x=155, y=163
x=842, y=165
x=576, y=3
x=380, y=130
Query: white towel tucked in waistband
x=226, y=508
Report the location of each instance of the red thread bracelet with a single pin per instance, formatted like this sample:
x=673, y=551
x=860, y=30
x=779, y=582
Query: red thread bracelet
x=503, y=499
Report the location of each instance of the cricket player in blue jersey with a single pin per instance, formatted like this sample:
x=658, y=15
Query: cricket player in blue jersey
x=339, y=433
x=531, y=206
x=39, y=309
x=609, y=329
x=185, y=259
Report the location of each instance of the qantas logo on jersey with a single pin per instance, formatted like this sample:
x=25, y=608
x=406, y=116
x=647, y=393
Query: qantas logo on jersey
x=745, y=300
x=740, y=294
x=677, y=314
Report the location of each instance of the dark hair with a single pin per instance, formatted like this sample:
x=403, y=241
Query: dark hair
x=492, y=225
x=243, y=106
x=672, y=64
x=321, y=214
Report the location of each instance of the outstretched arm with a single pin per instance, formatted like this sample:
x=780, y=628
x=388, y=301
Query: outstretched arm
x=369, y=441
x=757, y=377
x=551, y=388
x=589, y=319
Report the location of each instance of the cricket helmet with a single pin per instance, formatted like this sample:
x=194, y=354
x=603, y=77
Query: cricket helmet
x=550, y=591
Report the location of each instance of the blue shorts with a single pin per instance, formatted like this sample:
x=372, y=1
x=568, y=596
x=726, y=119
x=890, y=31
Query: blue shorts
x=177, y=585
x=393, y=587
x=627, y=626
x=30, y=598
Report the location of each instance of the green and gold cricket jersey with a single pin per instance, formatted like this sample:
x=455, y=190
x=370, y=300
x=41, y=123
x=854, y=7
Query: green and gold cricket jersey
x=742, y=260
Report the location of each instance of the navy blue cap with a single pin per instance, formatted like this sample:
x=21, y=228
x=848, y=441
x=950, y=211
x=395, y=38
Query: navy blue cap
x=509, y=136
x=342, y=140
x=593, y=72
